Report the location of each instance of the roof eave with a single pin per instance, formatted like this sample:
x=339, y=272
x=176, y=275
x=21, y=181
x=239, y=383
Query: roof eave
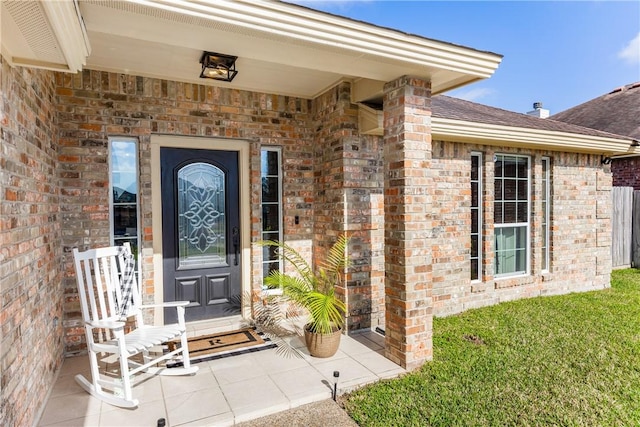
x=490, y=134
x=299, y=23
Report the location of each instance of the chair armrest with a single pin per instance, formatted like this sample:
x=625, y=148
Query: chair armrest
x=167, y=304
x=109, y=324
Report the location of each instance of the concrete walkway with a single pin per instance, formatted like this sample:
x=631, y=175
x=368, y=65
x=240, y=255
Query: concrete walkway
x=232, y=390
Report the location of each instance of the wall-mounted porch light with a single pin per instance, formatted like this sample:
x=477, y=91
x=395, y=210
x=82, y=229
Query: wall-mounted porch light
x=218, y=66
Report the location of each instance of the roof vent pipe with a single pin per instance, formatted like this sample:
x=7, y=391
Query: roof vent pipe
x=538, y=111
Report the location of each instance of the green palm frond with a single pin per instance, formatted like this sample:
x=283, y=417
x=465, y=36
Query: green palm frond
x=313, y=290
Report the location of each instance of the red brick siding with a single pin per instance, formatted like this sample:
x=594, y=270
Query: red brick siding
x=94, y=105
x=626, y=172
x=580, y=229
x=30, y=252
x=408, y=215
x=348, y=186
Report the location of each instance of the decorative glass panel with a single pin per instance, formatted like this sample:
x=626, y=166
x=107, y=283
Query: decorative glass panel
x=201, y=216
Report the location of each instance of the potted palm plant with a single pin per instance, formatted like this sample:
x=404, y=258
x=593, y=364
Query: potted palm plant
x=314, y=290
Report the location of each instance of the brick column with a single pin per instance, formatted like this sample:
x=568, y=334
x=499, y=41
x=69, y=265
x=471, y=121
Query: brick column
x=604, y=210
x=407, y=213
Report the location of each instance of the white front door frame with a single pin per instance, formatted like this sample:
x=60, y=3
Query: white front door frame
x=202, y=143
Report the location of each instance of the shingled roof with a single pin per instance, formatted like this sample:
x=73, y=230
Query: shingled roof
x=457, y=109
x=617, y=112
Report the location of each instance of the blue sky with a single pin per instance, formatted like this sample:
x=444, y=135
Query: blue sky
x=562, y=53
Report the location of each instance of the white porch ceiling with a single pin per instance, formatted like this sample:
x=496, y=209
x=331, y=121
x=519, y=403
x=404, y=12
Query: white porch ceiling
x=281, y=48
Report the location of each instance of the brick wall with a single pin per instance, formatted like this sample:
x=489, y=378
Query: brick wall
x=626, y=172
x=94, y=105
x=408, y=215
x=580, y=228
x=30, y=252
x=348, y=183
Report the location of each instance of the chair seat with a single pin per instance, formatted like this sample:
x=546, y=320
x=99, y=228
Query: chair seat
x=148, y=336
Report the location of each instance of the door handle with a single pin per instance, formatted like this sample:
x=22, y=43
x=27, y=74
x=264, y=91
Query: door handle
x=236, y=243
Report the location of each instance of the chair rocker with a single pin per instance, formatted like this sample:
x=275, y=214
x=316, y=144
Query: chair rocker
x=109, y=295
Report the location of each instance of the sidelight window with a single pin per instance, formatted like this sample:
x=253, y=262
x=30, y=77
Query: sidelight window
x=271, y=205
x=123, y=207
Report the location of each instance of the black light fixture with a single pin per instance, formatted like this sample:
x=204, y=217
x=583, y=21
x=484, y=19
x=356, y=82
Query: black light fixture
x=218, y=66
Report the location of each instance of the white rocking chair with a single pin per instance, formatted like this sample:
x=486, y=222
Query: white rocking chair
x=109, y=294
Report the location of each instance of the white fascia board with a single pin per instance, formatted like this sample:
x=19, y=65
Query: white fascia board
x=489, y=134
x=633, y=152
x=318, y=27
x=67, y=25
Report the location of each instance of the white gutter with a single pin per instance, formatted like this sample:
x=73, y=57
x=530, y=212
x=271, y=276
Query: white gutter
x=490, y=134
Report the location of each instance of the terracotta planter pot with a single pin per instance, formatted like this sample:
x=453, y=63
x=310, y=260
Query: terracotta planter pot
x=322, y=345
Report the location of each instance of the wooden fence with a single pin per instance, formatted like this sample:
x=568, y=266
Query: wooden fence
x=625, y=224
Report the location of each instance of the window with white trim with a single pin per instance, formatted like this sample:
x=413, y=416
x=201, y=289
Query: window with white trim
x=123, y=204
x=546, y=210
x=271, y=205
x=476, y=216
x=511, y=214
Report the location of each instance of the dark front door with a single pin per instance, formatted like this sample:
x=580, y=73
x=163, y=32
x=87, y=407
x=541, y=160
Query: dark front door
x=200, y=232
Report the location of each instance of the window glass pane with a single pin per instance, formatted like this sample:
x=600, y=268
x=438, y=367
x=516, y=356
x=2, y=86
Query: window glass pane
x=474, y=269
x=509, y=167
x=474, y=220
x=522, y=212
x=509, y=189
x=511, y=254
x=125, y=220
x=268, y=267
x=201, y=215
x=498, y=167
x=474, y=167
x=270, y=217
x=269, y=253
x=269, y=163
x=497, y=213
x=474, y=246
x=497, y=188
x=523, y=189
x=270, y=189
x=509, y=213
x=522, y=169
x=474, y=194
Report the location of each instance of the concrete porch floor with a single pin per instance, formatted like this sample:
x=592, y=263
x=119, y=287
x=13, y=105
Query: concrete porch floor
x=225, y=391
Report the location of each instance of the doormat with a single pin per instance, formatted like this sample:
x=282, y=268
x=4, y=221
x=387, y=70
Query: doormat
x=225, y=344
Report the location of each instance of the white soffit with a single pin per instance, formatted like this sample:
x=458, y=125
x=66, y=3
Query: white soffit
x=43, y=34
x=281, y=48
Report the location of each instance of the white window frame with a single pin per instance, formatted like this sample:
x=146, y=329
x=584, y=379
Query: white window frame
x=478, y=155
x=112, y=236
x=279, y=203
x=526, y=225
x=546, y=198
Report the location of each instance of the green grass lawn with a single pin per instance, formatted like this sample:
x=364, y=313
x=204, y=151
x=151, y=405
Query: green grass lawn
x=571, y=360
